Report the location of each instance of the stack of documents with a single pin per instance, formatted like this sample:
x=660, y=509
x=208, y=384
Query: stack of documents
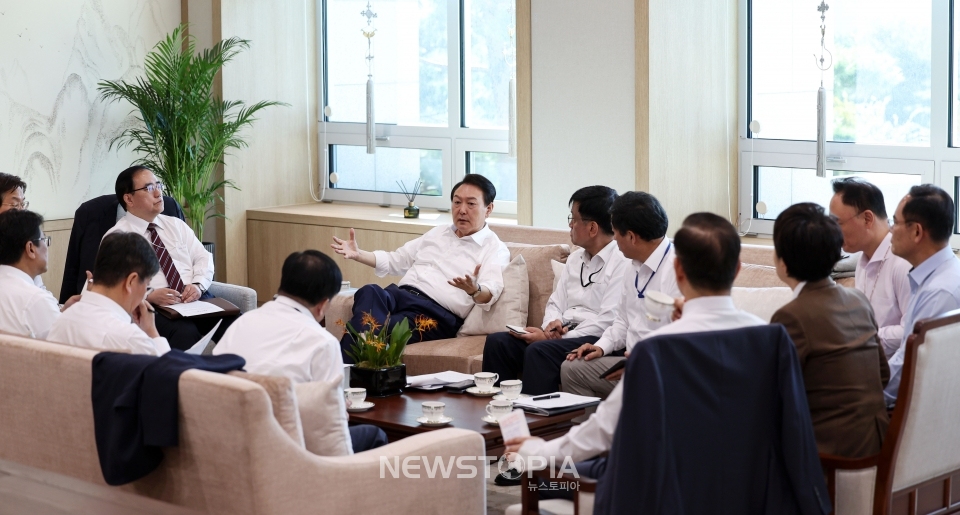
x=438, y=380
x=563, y=402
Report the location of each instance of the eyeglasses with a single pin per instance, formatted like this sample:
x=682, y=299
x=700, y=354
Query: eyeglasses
x=46, y=239
x=150, y=188
x=18, y=205
x=571, y=219
x=903, y=222
x=839, y=222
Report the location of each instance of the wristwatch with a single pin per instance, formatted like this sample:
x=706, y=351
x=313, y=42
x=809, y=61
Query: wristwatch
x=201, y=288
x=474, y=294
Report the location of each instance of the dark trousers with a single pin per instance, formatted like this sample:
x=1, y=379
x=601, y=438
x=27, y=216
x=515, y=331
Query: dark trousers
x=399, y=303
x=366, y=437
x=592, y=469
x=183, y=333
x=508, y=356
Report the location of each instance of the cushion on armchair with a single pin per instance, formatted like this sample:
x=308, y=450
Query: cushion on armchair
x=539, y=274
x=324, y=417
x=510, y=308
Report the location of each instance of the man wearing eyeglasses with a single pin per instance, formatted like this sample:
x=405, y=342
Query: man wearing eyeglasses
x=582, y=306
x=858, y=207
x=25, y=309
x=922, y=226
x=13, y=196
x=640, y=228
x=186, y=268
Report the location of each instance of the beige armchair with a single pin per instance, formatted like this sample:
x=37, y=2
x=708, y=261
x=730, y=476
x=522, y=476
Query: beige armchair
x=918, y=468
x=234, y=456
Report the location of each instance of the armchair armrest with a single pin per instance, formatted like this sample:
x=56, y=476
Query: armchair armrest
x=850, y=482
x=340, y=308
x=530, y=495
x=244, y=298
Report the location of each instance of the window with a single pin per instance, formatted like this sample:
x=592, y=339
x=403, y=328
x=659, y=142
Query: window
x=441, y=72
x=888, y=109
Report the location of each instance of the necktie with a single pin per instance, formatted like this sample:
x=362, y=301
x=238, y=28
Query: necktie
x=166, y=263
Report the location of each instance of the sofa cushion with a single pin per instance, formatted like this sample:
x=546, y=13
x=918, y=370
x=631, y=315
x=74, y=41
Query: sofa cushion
x=440, y=355
x=762, y=302
x=324, y=417
x=557, y=270
x=757, y=276
x=510, y=308
x=539, y=274
x=757, y=254
x=283, y=400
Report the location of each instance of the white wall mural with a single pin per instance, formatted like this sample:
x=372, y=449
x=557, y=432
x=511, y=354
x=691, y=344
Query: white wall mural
x=54, y=132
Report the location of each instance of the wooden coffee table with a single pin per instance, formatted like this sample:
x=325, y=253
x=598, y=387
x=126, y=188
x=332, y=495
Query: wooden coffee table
x=397, y=416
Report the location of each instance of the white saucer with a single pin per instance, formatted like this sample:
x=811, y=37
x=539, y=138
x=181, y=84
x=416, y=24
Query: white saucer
x=363, y=406
x=500, y=397
x=442, y=422
x=490, y=420
x=483, y=393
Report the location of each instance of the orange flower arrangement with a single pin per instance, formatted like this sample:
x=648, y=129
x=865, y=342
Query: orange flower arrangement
x=423, y=323
x=381, y=345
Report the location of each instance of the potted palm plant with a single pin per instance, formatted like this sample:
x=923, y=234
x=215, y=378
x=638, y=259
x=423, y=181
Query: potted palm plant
x=185, y=130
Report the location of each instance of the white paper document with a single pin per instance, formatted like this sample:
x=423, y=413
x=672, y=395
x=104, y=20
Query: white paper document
x=564, y=400
x=514, y=425
x=202, y=344
x=440, y=378
x=192, y=309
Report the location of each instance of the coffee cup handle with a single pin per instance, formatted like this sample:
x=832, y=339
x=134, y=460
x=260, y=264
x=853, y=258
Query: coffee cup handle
x=488, y=410
x=496, y=377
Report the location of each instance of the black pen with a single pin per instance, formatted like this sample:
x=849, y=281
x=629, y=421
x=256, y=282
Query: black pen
x=545, y=397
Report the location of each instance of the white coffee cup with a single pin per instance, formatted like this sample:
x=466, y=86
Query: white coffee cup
x=497, y=409
x=485, y=380
x=354, y=396
x=659, y=306
x=511, y=388
x=344, y=285
x=433, y=410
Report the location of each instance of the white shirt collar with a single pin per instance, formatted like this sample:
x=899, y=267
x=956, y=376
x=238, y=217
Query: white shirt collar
x=712, y=305
x=657, y=256
x=14, y=272
x=139, y=223
x=799, y=288
x=604, y=253
x=287, y=301
x=479, y=236
x=108, y=304
x=880, y=253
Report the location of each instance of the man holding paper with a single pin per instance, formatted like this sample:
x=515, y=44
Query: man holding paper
x=186, y=267
x=111, y=314
x=582, y=306
x=707, y=261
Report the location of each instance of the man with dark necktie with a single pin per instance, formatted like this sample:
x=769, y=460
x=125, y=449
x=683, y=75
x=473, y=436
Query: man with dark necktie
x=186, y=268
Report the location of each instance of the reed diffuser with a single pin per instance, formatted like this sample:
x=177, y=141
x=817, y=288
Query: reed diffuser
x=411, y=211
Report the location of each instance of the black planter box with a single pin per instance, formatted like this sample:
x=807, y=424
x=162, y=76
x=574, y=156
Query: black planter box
x=381, y=382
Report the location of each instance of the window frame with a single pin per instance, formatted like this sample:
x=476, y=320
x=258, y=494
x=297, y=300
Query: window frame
x=928, y=161
x=454, y=141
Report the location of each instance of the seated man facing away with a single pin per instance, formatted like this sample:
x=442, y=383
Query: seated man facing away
x=859, y=209
x=640, y=228
x=844, y=368
x=587, y=295
x=445, y=272
x=26, y=309
x=111, y=314
x=284, y=337
x=12, y=197
x=921, y=230
x=187, y=267
x=707, y=261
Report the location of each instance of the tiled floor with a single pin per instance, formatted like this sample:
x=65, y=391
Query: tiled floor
x=499, y=497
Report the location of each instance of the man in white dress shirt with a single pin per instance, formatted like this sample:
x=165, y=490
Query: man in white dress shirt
x=859, y=209
x=186, y=268
x=25, y=308
x=446, y=272
x=707, y=261
x=640, y=228
x=13, y=196
x=111, y=314
x=583, y=305
x=284, y=337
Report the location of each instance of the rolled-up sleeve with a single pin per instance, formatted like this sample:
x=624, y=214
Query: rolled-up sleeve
x=398, y=261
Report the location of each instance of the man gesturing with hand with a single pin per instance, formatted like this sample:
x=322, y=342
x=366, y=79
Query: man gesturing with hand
x=445, y=272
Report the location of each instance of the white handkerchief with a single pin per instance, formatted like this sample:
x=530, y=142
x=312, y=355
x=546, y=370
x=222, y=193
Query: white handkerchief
x=514, y=425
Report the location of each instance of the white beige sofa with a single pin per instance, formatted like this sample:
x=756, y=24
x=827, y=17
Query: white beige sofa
x=539, y=247
x=234, y=456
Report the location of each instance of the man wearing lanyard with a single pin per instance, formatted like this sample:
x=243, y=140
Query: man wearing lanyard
x=640, y=228
x=582, y=306
x=858, y=207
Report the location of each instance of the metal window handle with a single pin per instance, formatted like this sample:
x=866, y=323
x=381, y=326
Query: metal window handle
x=836, y=159
x=383, y=138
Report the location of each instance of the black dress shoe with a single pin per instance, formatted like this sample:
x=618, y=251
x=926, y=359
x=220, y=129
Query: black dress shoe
x=502, y=480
